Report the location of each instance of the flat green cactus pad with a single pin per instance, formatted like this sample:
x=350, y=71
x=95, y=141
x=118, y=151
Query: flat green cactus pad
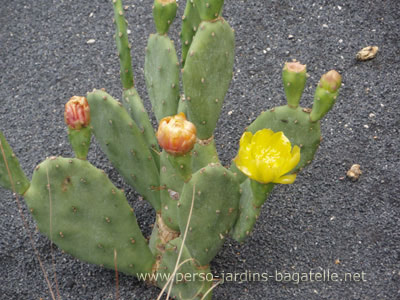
x=197, y=282
x=83, y=213
x=215, y=209
x=18, y=181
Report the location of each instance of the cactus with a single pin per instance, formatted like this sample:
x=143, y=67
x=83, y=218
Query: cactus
x=12, y=177
x=198, y=202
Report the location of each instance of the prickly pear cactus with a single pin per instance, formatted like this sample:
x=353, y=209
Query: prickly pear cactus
x=198, y=202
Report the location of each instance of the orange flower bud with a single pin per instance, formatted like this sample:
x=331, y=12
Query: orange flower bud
x=176, y=135
x=77, y=113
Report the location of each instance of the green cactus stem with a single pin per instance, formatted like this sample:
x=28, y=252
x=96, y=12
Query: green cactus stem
x=209, y=9
x=190, y=23
x=241, y=177
x=200, y=280
x=204, y=153
x=172, y=183
x=125, y=145
x=162, y=76
x=254, y=194
x=123, y=46
x=134, y=105
x=160, y=236
x=294, y=78
x=325, y=94
x=164, y=13
x=214, y=212
x=207, y=74
x=182, y=107
x=80, y=141
x=83, y=213
x=12, y=177
x=182, y=164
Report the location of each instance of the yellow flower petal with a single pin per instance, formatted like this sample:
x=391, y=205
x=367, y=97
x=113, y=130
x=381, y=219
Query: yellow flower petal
x=267, y=174
x=281, y=142
x=262, y=138
x=287, y=179
x=246, y=138
x=292, y=163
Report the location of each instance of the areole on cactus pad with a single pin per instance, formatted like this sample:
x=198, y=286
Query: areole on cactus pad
x=199, y=203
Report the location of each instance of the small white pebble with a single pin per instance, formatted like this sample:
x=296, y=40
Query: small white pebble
x=366, y=126
x=91, y=41
x=91, y=15
x=340, y=41
x=264, y=51
x=339, y=7
x=382, y=105
x=325, y=26
x=268, y=49
x=230, y=112
x=290, y=36
x=128, y=31
x=372, y=115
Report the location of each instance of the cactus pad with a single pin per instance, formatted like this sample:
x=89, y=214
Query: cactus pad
x=81, y=211
x=190, y=24
x=162, y=75
x=216, y=200
x=18, y=181
x=208, y=73
x=190, y=288
x=124, y=143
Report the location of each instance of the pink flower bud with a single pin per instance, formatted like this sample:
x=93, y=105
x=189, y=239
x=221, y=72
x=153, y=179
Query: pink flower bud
x=77, y=113
x=176, y=135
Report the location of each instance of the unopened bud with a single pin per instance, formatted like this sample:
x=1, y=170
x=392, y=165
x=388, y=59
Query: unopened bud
x=295, y=66
x=331, y=81
x=294, y=80
x=176, y=135
x=77, y=113
x=325, y=94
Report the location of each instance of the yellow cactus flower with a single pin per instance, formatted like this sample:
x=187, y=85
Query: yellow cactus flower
x=267, y=156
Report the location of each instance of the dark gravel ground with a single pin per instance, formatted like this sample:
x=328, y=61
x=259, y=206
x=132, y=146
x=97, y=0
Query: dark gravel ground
x=321, y=222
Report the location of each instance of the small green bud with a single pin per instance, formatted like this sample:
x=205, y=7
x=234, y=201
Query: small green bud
x=325, y=94
x=294, y=80
x=331, y=81
x=164, y=13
